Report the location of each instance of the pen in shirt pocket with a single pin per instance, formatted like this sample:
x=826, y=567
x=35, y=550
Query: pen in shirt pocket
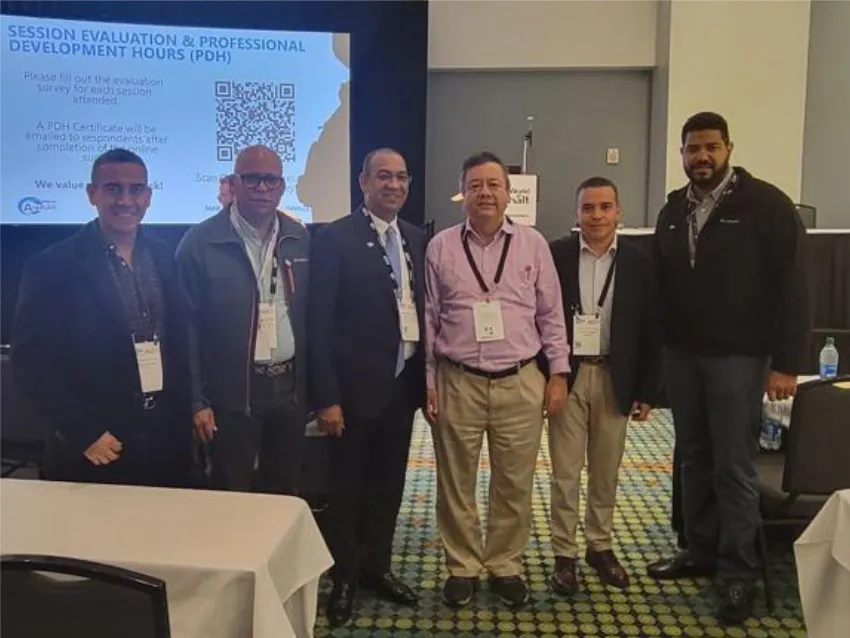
x=290, y=275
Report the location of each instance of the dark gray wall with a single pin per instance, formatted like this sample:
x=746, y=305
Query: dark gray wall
x=827, y=134
x=577, y=115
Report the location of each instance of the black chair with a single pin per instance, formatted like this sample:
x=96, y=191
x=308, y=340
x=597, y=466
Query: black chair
x=87, y=600
x=24, y=431
x=794, y=486
x=808, y=215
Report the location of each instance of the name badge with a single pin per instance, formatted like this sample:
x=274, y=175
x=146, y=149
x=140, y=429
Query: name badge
x=409, y=321
x=149, y=360
x=488, y=321
x=266, y=332
x=587, y=335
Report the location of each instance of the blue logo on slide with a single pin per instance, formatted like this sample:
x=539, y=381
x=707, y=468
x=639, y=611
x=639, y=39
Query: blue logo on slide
x=33, y=206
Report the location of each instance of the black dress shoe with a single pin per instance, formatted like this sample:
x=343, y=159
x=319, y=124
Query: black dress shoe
x=340, y=603
x=736, y=602
x=510, y=589
x=391, y=587
x=682, y=565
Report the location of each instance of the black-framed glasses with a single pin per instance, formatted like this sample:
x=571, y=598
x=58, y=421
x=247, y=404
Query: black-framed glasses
x=253, y=180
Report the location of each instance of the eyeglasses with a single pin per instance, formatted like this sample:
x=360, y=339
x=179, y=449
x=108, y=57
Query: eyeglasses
x=253, y=180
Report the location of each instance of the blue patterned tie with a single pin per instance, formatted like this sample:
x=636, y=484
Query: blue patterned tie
x=393, y=255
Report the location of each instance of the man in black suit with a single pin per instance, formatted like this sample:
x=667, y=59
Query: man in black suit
x=607, y=287
x=367, y=373
x=98, y=342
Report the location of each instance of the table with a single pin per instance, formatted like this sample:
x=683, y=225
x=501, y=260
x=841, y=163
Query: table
x=235, y=565
x=823, y=569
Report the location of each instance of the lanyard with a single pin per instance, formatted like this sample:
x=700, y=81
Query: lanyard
x=692, y=209
x=270, y=263
x=396, y=289
x=499, y=269
x=607, y=285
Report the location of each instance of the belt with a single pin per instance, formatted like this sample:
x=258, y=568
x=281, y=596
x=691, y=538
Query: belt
x=499, y=374
x=595, y=361
x=274, y=369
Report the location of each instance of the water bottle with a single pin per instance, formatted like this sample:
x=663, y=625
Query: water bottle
x=829, y=360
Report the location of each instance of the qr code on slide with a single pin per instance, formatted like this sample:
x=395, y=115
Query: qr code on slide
x=250, y=113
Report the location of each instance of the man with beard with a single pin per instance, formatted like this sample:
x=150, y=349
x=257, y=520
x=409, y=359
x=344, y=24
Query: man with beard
x=99, y=342
x=729, y=256
x=367, y=374
x=244, y=272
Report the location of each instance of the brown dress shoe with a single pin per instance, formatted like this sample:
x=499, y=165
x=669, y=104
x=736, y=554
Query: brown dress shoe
x=608, y=567
x=564, y=580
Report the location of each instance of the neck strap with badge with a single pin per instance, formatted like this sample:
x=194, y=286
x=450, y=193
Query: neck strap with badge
x=605, y=287
x=692, y=206
x=404, y=249
x=464, y=238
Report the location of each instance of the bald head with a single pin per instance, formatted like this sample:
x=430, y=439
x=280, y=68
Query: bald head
x=252, y=157
x=258, y=182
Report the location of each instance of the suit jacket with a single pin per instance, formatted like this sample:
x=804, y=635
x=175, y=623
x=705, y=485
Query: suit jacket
x=635, y=346
x=353, y=319
x=72, y=351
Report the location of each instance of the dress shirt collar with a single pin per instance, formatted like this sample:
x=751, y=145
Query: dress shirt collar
x=506, y=228
x=612, y=249
x=243, y=226
x=382, y=225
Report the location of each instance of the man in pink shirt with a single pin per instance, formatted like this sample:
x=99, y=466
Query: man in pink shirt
x=492, y=310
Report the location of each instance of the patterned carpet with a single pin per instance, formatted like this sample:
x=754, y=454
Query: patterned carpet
x=642, y=534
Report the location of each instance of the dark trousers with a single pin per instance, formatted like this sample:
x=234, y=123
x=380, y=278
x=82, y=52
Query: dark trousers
x=156, y=452
x=716, y=403
x=368, y=466
x=261, y=451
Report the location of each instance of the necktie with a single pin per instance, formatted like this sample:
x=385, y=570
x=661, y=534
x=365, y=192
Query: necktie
x=391, y=248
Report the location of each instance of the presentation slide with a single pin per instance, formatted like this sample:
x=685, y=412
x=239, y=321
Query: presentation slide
x=187, y=100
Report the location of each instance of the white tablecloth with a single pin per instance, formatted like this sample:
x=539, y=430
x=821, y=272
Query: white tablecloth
x=235, y=565
x=823, y=569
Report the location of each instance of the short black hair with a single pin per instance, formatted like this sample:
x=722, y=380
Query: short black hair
x=706, y=121
x=598, y=182
x=116, y=156
x=479, y=158
x=367, y=161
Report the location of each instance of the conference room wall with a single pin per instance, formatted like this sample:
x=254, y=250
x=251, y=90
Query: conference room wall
x=578, y=114
x=488, y=34
x=827, y=132
x=748, y=60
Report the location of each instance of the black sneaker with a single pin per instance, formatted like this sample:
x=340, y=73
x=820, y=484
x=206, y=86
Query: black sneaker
x=458, y=591
x=510, y=589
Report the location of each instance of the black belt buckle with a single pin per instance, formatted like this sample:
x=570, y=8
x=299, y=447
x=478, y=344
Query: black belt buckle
x=148, y=402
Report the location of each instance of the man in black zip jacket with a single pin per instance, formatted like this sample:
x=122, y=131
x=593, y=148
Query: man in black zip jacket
x=729, y=254
x=244, y=272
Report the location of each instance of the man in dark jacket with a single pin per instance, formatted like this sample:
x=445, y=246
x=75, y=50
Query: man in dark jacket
x=367, y=369
x=99, y=346
x=729, y=253
x=610, y=307
x=245, y=272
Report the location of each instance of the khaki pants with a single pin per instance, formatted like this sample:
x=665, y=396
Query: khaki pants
x=591, y=423
x=510, y=412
